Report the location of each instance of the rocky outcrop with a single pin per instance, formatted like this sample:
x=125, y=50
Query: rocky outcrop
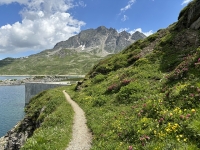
x=101, y=41
x=196, y=24
x=189, y=17
x=16, y=137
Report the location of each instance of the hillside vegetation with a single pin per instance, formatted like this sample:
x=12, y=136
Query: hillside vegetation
x=148, y=96
x=50, y=63
x=48, y=122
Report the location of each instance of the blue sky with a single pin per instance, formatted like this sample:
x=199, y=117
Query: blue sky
x=30, y=26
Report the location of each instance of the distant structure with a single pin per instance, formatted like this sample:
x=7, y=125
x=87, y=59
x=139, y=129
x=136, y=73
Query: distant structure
x=33, y=88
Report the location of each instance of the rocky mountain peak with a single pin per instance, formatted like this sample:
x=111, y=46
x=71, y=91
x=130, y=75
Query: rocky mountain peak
x=137, y=35
x=112, y=31
x=124, y=34
x=102, y=29
x=101, y=41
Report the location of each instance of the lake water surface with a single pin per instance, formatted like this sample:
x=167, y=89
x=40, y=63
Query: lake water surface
x=12, y=102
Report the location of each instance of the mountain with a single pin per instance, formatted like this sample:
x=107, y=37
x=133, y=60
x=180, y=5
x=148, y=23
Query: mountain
x=77, y=55
x=100, y=41
x=146, y=97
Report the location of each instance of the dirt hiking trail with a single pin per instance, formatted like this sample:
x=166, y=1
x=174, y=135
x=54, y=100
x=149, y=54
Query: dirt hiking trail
x=81, y=136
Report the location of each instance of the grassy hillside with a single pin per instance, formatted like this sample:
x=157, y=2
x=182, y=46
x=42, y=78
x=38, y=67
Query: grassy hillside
x=148, y=96
x=50, y=112
x=145, y=98
x=50, y=63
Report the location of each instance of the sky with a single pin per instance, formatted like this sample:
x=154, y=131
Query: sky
x=30, y=26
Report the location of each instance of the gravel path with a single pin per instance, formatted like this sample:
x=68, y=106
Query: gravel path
x=81, y=137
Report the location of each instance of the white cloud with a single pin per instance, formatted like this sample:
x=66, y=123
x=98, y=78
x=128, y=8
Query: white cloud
x=122, y=29
x=186, y=1
x=128, y=6
x=44, y=23
x=140, y=30
x=124, y=18
x=82, y=4
x=134, y=30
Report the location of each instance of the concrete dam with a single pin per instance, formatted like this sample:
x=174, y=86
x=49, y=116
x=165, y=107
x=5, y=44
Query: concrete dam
x=34, y=88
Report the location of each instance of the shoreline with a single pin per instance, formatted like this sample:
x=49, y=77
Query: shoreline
x=67, y=75
x=37, y=78
x=15, y=75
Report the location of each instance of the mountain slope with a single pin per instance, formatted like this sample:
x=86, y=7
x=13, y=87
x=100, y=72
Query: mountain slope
x=145, y=98
x=101, y=41
x=60, y=63
x=77, y=55
x=148, y=95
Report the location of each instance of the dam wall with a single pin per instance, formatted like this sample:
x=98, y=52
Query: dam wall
x=32, y=89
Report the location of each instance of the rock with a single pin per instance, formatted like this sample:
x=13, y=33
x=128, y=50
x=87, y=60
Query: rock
x=100, y=41
x=137, y=36
x=2, y=142
x=79, y=83
x=196, y=24
x=16, y=137
x=189, y=17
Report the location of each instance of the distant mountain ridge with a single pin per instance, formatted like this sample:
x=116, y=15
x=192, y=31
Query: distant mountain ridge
x=101, y=41
x=77, y=55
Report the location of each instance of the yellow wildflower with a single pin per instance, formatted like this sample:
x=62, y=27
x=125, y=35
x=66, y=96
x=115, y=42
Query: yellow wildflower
x=168, y=130
x=185, y=140
x=154, y=131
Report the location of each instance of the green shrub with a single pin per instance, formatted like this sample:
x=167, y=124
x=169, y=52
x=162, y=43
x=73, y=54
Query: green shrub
x=130, y=93
x=99, y=101
x=152, y=37
x=98, y=78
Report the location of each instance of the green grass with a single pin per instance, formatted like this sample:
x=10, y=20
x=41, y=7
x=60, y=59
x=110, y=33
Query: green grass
x=149, y=103
x=68, y=62
x=135, y=99
x=55, y=121
x=142, y=104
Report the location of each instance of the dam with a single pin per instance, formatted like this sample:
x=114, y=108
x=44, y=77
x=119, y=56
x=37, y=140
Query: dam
x=34, y=88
